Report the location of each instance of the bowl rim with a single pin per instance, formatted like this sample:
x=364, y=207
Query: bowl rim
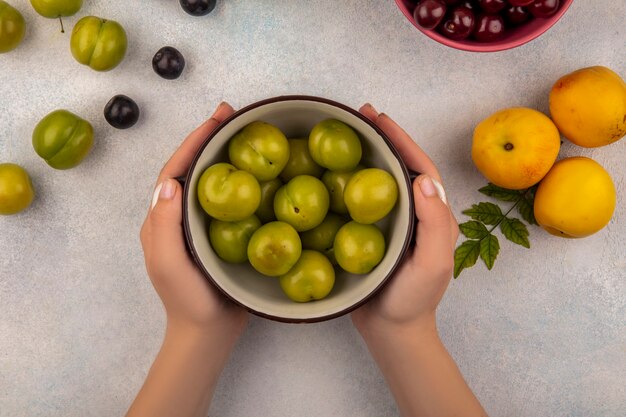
x=408, y=241
x=487, y=47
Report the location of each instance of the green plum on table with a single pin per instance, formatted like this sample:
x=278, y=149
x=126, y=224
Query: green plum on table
x=12, y=27
x=261, y=149
x=322, y=237
x=300, y=161
x=311, y=278
x=274, y=248
x=359, y=247
x=98, y=43
x=230, y=240
x=227, y=193
x=63, y=139
x=335, y=145
x=56, y=8
x=370, y=195
x=335, y=182
x=302, y=202
x=265, y=212
x=16, y=189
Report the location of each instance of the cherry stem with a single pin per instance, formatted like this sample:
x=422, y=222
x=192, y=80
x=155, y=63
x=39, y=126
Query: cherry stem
x=62, y=29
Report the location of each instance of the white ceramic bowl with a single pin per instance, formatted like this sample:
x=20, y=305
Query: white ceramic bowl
x=261, y=295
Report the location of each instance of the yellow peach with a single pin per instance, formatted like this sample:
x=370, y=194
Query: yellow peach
x=514, y=148
x=589, y=106
x=575, y=199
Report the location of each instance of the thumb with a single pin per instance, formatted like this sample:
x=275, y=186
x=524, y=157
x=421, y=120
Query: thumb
x=433, y=248
x=166, y=216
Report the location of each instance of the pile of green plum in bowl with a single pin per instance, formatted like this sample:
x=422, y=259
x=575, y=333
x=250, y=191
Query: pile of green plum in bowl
x=298, y=208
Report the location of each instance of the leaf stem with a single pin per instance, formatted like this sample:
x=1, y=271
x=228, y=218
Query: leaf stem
x=521, y=197
x=62, y=29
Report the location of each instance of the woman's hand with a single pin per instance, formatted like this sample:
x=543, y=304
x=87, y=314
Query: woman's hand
x=202, y=326
x=412, y=295
x=189, y=300
x=399, y=324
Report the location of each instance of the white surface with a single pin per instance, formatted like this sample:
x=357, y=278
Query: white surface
x=543, y=334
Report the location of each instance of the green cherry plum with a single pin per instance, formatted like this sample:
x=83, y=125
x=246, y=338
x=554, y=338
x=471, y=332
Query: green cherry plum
x=370, y=195
x=63, y=139
x=335, y=145
x=274, y=248
x=227, y=193
x=359, y=247
x=300, y=161
x=302, y=202
x=12, y=27
x=56, y=8
x=16, y=189
x=261, y=149
x=335, y=182
x=265, y=212
x=98, y=43
x=311, y=278
x=322, y=237
x=230, y=240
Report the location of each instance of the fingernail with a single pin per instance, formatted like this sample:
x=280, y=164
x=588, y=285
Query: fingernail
x=217, y=109
x=163, y=191
x=369, y=106
x=155, y=195
x=219, y=106
x=430, y=187
x=440, y=191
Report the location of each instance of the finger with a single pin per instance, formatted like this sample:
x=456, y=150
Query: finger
x=414, y=157
x=433, y=250
x=165, y=223
x=181, y=159
x=369, y=111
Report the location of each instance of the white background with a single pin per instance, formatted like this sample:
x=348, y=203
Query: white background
x=542, y=334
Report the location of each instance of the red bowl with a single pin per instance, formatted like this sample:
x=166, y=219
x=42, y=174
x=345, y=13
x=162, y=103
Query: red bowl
x=511, y=39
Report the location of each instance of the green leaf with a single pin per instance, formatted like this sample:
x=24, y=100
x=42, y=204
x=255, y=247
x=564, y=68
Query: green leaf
x=526, y=206
x=466, y=255
x=500, y=193
x=487, y=213
x=489, y=249
x=515, y=231
x=473, y=229
x=526, y=210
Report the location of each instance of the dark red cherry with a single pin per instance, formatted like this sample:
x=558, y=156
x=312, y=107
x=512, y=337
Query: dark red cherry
x=492, y=6
x=489, y=27
x=544, y=8
x=517, y=15
x=458, y=24
x=429, y=13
